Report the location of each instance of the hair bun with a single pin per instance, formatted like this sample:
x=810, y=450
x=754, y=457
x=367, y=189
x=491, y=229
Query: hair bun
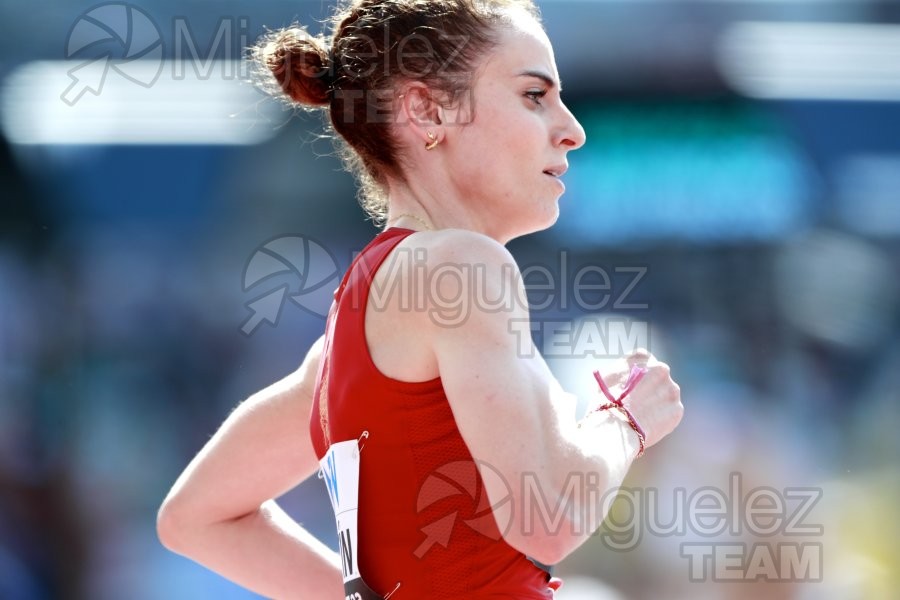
x=301, y=65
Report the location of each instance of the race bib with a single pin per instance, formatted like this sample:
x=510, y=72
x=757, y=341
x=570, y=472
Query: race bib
x=340, y=470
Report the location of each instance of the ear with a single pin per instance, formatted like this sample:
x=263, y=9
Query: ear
x=422, y=112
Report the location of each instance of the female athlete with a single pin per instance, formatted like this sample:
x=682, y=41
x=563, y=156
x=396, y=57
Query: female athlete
x=423, y=396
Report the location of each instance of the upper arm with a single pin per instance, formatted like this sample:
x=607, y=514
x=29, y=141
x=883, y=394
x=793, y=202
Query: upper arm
x=506, y=403
x=495, y=381
x=262, y=450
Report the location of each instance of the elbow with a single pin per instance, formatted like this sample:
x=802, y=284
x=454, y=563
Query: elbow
x=558, y=514
x=546, y=540
x=552, y=550
x=547, y=550
x=554, y=547
x=170, y=526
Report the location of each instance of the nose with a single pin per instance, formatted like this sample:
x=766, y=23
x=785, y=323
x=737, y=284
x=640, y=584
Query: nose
x=571, y=134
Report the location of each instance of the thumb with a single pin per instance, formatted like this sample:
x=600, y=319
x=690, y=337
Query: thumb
x=615, y=378
x=640, y=357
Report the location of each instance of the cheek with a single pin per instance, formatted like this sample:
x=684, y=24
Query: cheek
x=499, y=151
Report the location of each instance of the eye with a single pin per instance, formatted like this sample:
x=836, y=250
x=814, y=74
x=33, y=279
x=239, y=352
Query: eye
x=536, y=95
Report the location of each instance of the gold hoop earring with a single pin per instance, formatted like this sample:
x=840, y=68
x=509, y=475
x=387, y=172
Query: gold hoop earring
x=434, y=141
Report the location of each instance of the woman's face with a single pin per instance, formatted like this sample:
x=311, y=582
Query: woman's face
x=505, y=162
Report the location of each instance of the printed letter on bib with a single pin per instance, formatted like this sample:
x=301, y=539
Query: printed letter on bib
x=340, y=470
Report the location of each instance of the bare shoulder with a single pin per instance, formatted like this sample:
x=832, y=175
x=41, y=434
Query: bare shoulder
x=438, y=285
x=474, y=281
x=461, y=246
x=466, y=265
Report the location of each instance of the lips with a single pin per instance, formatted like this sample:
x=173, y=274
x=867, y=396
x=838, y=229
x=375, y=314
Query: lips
x=557, y=171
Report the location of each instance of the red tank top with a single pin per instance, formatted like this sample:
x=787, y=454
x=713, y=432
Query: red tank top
x=424, y=518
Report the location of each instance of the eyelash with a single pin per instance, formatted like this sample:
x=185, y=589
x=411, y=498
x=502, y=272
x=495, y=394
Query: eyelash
x=536, y=95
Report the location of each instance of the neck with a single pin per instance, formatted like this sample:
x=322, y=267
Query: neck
x=419, y=208
x=402, y=220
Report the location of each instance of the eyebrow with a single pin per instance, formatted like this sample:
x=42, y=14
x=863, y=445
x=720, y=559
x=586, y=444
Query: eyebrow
x=543, y=77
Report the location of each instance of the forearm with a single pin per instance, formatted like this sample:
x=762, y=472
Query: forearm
x=588, y=473
x=267, y=552
x=597, y=450
x=608, y=444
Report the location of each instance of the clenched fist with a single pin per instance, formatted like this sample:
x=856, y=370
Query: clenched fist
x=655, y=402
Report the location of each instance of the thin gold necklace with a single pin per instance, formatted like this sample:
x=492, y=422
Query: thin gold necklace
x=414, y=217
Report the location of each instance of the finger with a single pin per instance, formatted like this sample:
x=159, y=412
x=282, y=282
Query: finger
x=615, y=378
x=640, y=357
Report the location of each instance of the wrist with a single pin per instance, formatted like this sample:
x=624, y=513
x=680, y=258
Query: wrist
x=605, y=431
x=617, y=404
x=631, y=433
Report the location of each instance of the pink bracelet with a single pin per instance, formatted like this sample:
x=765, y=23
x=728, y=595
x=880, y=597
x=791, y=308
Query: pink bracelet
x=637, y=373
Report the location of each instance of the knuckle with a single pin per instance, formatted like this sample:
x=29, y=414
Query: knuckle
x=660, y=371
x=640, y=354
x=674, y=393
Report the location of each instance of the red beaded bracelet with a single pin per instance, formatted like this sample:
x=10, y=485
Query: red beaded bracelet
x=637, y=373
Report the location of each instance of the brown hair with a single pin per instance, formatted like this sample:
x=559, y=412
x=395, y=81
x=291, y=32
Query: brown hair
x=375, y=46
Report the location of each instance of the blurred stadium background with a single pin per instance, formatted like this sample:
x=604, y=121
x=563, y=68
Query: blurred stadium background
x=743, y=155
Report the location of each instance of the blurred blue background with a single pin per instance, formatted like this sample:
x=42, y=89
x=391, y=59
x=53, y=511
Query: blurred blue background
x=740, y=185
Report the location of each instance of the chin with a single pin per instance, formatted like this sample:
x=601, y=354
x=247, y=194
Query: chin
x=541, y=222
x=552, y=215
